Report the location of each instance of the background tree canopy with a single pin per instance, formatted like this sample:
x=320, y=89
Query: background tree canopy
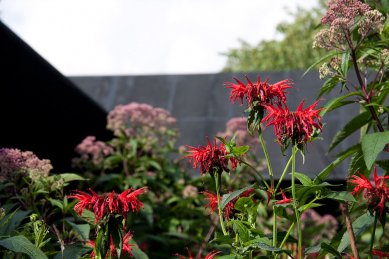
x=293, y=51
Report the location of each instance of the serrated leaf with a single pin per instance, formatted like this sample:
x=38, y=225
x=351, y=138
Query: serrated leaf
x=240, y=229
x=337, y=102
x=230, y=196
x=68, y=177
x=372, y=145
x=304, y=179
x=20, y=244
x=82, y=229
x=341, y=196
x=138, y=254
x=352, y=126
x=243, y=203
x=56, y=203
x=359, y=226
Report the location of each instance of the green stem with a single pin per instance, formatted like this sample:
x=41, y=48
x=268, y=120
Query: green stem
x=287, y=235
x=265, y=151
x=373, y=234
x=299, y=236
x=274, y=229
x=283, y=174
x=218, y=183
x=256, y=172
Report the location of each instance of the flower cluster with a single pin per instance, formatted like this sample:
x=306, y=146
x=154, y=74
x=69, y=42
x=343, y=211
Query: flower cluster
x=211, y=158
x=377, y=194
x=294, y=128
x=126, y=249
x=229, y=208
x=238, y=127
x=92, y=150
x=15, y=163
x=140, y=120
x=258, y=93
x=341, y=17
x=108, y=203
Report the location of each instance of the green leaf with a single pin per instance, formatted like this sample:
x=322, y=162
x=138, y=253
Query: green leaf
x=73, y=251
x=329, y=249
x=345, y=62
x=12, y=221
x=359, y=225
x=341, y=196
x=372, y=145
x=340, y=157
x=357, y=163
x=267, y=247
x=240, y=229
x=304, y=180
x=384, y=164
x=337, y=102
x=20, y=244
x=243, y=203
x=68, y=177
x=138, y=254
x=230, y=196
x=308, y=206
x=82, y=229
x=322, y=59
x=355, y=124
x=115, y=231
x=240, y=151
x=328, y=85
x=56, y=203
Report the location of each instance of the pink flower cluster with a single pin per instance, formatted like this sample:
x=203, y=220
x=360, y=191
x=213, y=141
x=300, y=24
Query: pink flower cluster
x=238, y=127
x=14, y=163
x=310, y=218
x=140, y=120
x=93, y=150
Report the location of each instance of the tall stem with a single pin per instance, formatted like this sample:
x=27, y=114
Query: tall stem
x=373, y=234
x=218, y=178
x=350, y=230
x=283, y=174
x=296, y=212
x=265, y=151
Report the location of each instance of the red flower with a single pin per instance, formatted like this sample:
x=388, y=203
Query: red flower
x=127, y=247
x=211, y=159
x=294, y=127
x=380, y=254
x=211, y=255
x=228, y=209
x=108, y=203
x=260, y=92
x=376, y=195
x=284, y=199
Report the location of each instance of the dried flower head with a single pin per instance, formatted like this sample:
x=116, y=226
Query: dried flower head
x=92, y=150
x=377, y=195
x=296, y=128
x=108, y=203
x=211, y=158
x=190, y=191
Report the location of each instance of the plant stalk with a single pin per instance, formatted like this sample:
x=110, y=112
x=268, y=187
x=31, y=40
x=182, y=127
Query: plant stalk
x=373, y=234
x=299, y=233
x=218, y=183
x=350, y=231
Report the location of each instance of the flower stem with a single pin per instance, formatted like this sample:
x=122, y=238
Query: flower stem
x=265, y=151
x=373, y=234
x=218, y=179
x=283, y=174
x=350, y=230
x=257, y=174
x=297, y=213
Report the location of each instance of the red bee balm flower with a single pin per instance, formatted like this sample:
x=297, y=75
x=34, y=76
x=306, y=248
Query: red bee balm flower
x=228, y=209
x=108, y=203
x=376, y=195
x=211, y=159
x=211, y=255
x=261, y=92
x=127, y=247
x=284, y=199
x=294, y=127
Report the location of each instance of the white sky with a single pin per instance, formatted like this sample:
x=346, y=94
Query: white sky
x=132, y=37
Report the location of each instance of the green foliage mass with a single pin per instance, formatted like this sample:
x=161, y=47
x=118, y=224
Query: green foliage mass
x=293, y=51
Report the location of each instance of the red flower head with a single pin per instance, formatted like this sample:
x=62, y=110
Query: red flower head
x=211, y=159
x=296, y=127
x=229, y=208
x=376, y=195
x=108, y=203
x=211, y=255
x=127, y=247
x=380, y=254
x=260, y=92
x=284, y=199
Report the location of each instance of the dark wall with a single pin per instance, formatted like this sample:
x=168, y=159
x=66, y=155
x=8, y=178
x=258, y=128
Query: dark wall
x=40, y=109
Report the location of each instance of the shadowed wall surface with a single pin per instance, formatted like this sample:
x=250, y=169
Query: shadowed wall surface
x=202, y=107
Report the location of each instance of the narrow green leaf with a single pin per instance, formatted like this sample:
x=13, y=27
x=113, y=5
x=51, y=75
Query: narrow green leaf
x=82, y=229
x=304, y=179
x=322, y=59
x=267, y=247
x=341, y=196
x=20, y=244
x=372, y=145
x=230, y=196
x=359, y=226
x=328, y=85
x=335, y=102
x=357, y=163
x=308, y=206
x=56, y=203
x=345, y=62
x=352, y=126
x=68, y=177
x=328, y=248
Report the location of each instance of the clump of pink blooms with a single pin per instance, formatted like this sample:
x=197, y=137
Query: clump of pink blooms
x=139, y=120
x=92, y=150
x=310, y=218
x=15, y=163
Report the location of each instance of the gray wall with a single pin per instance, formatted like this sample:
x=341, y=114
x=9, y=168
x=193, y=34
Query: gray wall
x=202, y=107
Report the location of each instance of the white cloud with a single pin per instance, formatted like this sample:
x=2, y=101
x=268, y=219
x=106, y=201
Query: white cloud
x=91, y=37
